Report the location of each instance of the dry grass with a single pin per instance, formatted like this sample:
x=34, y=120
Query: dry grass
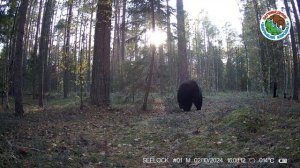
x=61, y=135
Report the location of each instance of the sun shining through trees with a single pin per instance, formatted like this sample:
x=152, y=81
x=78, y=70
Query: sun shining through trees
x=105, y=83
x=157, y=37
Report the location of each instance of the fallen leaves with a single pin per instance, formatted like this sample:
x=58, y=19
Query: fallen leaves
x=108, y=138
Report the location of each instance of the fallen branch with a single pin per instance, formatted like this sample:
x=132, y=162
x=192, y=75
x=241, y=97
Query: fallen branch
x=95, y=125
x=22, y=149
x=33, y=149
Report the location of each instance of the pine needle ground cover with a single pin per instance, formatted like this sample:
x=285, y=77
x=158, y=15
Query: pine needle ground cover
x=228, y=126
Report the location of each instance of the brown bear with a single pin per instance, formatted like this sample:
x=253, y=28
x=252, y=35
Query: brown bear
x=188, y=93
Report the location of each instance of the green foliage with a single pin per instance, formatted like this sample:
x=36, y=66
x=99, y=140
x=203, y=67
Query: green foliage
x=87, y=8
x=7, y=14
x=81, y=71
x=170, y=101
x=207, y=53
x=130, y=83
x=61, y=134
x=117, y=98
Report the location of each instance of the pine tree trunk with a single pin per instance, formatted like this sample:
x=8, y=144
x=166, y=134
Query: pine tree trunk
x=88, y=78
x=77, y=40
x=297, y=20
x=149, y=78
x=66, y=78
x=12, y=49
x=80, y=67
x=182, y=54
x=287, y=72
x=169, y=46
x=51, y=57
x=116, y=42
x=122, y=43
x=43, y=48
x=162, y=70
x=262, y=50
x=298, y=3
x=295, y=56
x=6, y=76
x=100, y=87
x=81, y=46
x=26, y=39
x=34, y=54
x=18, y=78
x=161, y=57
x=247, y=63
x=123, y=31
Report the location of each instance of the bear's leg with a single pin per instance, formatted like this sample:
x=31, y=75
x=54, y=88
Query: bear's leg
x=197, y=99
x=187, y=106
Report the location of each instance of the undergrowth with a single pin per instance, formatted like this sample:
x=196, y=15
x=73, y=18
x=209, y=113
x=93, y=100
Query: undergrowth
x=61, y=135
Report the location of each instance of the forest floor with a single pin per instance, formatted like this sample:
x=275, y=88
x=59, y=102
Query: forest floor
x=228, y=126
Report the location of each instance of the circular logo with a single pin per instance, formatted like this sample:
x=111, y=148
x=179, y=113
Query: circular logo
x=275, y=25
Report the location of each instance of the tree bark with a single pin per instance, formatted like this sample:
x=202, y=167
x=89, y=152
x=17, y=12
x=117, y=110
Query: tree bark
x=34, y=54
x=149, y=78
x=100, y=87
x=12, y=49
x=6, y=76
x=123, y=31
x=26, y=38
x=19, y=111
x=66, y=78
x=80, y=67
x=247, y=60
x=298, y=3
x=169, y=44
x=295, y=57
x=162, y=70
x=297, y=20
x=182, y=54
x=116, y=42
x=88, y=78
x=76, y=41
x=262, y=50
x=122, y=43
x=43, y=48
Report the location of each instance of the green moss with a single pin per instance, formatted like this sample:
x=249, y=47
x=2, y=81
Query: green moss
x=64, y=102
x=81, y=138
x=244, y=120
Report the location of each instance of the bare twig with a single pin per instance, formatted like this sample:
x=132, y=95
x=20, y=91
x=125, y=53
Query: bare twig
x=16, y=147
x=95, y=125
x=33, y=149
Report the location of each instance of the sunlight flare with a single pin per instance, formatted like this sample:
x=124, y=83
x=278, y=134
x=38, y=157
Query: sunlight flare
x=157, y=37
